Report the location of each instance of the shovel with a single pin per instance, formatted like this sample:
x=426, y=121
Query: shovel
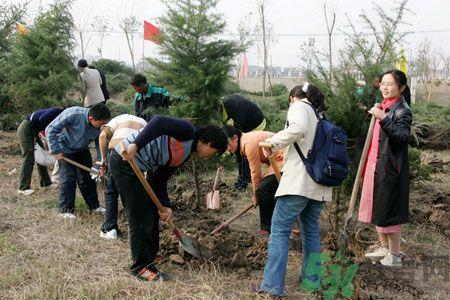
x=223, y=226
x=213, y=197
x=187, y=243
x=95, y=173
x=344, y=234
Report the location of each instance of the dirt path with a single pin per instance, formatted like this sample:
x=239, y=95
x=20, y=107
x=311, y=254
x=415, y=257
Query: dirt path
x=45, y=257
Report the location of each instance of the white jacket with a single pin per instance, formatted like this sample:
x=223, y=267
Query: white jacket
x=302, y=128
x=90, y=87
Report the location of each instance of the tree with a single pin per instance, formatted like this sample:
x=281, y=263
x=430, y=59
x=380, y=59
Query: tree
x=101, y=27
x=9, y=16
x=130, y=26
x=195, y=61
x=330, y=28
x=264, y=30
x=40, y=67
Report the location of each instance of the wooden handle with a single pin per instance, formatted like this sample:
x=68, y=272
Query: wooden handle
x=361, y=164
x=83, y=167
x=232, y=219
x=275, y=168
x=265, y=144
x=216, y=178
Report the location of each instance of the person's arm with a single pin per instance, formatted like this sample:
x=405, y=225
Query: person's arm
x=399, y=131
x=159, y=184
x=138, y=105
x=54, y=129
x=297, y=129
x=251, y=151
x=179, y=129
x=103, y=140
x=83, y=87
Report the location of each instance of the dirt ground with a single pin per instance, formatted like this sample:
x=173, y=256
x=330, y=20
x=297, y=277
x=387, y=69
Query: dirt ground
x=45, y=257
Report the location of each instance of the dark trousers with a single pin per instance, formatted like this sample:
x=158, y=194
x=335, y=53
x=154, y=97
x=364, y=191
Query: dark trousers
x=70, y=177
x=143, y=217
x=266, y=196
x=111, y=203
x=27, y=139
x=243, y=172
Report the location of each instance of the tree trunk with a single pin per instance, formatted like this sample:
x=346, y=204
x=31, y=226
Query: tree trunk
x=131, y=50
x=81, y=44
x=263, y=27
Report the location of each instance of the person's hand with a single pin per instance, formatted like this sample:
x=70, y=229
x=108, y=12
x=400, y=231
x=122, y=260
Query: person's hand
x=58, y=156
x=103, y=169
x=131, y=151
x=255, y=200
x=267, y=152
x=377, y=112
x=166, y=215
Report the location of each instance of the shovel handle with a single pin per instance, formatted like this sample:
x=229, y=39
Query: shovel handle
x=149, y=190
x=231, y=220
x=83, y=167
x=361, y=164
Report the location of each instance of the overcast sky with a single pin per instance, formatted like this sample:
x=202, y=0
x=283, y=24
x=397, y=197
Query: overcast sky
x=292, y=22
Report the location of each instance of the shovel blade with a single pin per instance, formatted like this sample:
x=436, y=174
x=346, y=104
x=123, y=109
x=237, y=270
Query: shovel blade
x=190, y=245
x=213, y=200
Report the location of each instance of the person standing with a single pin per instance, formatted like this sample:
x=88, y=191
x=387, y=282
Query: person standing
x=27, y=133
x=69, y=134
x=90, y=85
x=163, y=145
x=111, y=134
x=244, y=114
x=147, y=96
x=264, y=186
x=103, y=86
x=298, y=195
x=385, y=188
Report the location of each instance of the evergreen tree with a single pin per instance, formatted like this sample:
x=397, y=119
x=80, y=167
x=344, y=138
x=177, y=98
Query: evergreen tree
x=195, y=62
x=40, y=68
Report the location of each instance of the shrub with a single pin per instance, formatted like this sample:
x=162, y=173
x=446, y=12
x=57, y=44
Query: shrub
x=277, y=89
x=118, y=108
x=113, y=67
x=10, y=121
x=231, y=87
x=128, y=95
x=118, y=83
x=417, y=170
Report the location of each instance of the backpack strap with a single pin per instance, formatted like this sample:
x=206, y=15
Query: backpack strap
x=297, y=147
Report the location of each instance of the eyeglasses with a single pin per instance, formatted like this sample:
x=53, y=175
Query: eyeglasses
x=388, y=84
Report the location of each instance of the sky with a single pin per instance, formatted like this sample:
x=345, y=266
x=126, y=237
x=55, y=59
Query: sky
x=293, y=23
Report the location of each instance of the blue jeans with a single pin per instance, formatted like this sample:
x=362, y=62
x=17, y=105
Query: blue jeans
x=287, y=210
x=70, y=177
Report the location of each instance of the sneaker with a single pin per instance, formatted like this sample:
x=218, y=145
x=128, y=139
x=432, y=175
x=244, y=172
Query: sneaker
x=27, y=192
x=391, y=260
x=67, y=215
x=109, y=235
x=377, y=254
x=147, y=275
x=99, y=210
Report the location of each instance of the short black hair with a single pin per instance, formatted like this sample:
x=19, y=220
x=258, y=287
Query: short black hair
x=232, y=131
x=99, y=112
x=214, y=136
x=82, y=63
x=138, y=79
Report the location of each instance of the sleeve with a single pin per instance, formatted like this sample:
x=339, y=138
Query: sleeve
x=49, y=115
x=138, y=105
x=179, y=129
x=251, y=151
x=159, y=184
x=297, y=129
x=399, y=131
x=54, y=129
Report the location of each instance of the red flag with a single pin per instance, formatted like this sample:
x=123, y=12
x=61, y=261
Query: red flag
x=244, y=67
x=151, y=33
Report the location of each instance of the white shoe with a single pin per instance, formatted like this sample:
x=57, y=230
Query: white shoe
x=99, y=210
x=67, y=215
x=377, y=254
x=26, y=192
x=391, y=260
x=110, y=235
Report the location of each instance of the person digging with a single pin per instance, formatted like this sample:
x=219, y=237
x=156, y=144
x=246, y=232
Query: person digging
x=162, y=146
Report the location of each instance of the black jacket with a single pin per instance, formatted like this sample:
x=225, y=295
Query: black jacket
x=391, y=189
x=246, y=114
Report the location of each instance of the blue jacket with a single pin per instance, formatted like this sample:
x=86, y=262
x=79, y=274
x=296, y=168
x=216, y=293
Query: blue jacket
x=71, y=131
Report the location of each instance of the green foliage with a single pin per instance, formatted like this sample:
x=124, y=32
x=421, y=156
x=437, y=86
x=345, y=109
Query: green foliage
x=274, y=111
x=277, y=89
x=417, y=170
x=282, y=101
x=128, y=95
x=40, y=68
x=118, y=108
x=430, y=113
x=196, y=62
x=118, y=83
x=231, y=87
x=113, y=67
x=10, y=121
